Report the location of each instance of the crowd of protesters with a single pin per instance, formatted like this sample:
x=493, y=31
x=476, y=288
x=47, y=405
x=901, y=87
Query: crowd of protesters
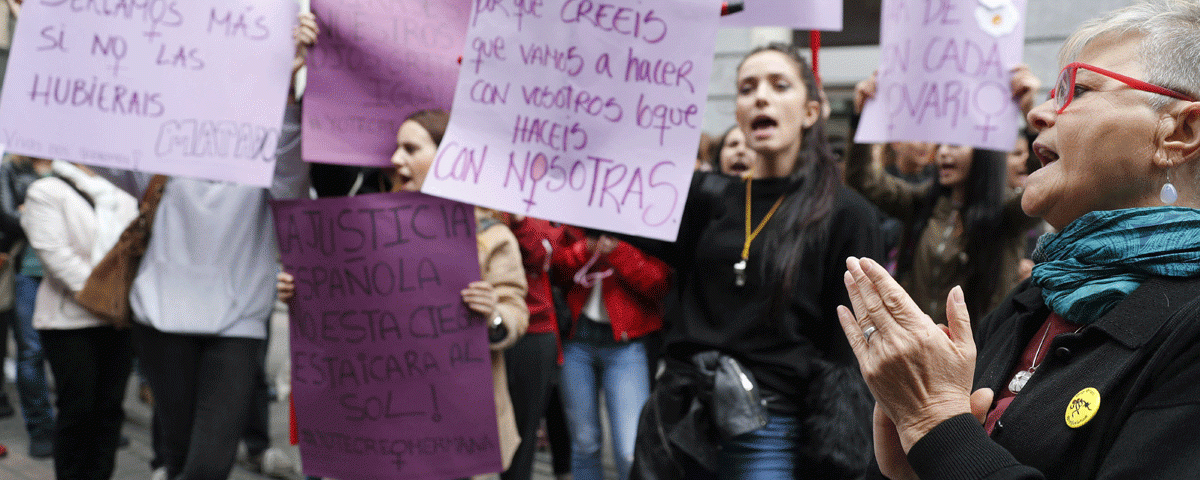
x=728, y=353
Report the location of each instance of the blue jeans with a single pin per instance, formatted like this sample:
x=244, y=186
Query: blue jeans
x=594, y=361
x=31, y=364
x=767, y=453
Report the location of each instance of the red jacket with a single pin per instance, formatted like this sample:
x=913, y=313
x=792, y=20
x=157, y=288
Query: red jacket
x=530, y=234
x=633, y=295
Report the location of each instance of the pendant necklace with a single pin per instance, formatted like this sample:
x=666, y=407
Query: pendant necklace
x=739, y=268
x=1022, y=377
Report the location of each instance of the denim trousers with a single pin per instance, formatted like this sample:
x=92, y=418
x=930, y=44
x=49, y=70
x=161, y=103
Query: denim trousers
x=203, y=389
x=593, y=362
x=91, y=369
x=31, y=364
x=768, y=453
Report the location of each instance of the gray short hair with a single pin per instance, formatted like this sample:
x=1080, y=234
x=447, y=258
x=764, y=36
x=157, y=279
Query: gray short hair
x=1170, y=49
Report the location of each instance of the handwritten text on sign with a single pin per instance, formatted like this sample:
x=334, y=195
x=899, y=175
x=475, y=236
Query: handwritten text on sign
x=373, y=65
x=946, y=73
x=390, y=372
x=194, y=88
x=580, y=111
x=801, y=14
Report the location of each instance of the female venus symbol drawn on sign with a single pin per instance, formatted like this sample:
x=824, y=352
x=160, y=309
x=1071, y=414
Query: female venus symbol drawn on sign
x=984, y=102
x=537, y=171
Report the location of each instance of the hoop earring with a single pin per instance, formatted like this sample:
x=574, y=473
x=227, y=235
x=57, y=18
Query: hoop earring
x=1168, y=195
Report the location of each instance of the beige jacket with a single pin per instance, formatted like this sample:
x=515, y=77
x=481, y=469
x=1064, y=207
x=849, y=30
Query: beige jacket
x=500, y=265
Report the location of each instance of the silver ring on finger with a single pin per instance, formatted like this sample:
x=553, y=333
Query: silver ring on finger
x=867, y=332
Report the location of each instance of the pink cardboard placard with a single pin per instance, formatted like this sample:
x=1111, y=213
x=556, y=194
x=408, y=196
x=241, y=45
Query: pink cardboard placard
x=945, y=75
x=582, y=112
x=193, y=88
x=391, y=375
x=823, y=15
x=373, y=65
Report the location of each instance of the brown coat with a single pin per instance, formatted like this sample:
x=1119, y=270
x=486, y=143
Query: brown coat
x=500, y=265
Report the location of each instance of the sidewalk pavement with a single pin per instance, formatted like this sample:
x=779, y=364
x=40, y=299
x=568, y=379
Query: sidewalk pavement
x=133, y=462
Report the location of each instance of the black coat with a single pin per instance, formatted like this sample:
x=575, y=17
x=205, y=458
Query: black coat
x=15, y=179
x=1144, y=359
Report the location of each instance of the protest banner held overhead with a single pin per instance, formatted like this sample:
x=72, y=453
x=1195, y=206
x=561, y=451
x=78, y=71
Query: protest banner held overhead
x=823, y=15
x=579, y=111
x=373, y=65
x=391, y=375
x=945, y=74
x=193, y=88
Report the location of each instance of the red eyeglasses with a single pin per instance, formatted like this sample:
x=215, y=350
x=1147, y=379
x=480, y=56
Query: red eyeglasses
x=1064, y=88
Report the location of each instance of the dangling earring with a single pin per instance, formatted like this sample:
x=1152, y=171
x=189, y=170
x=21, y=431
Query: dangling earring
x=1168, y=195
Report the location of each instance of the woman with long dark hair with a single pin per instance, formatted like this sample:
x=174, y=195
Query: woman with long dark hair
x=958, y=228
x=964, y=227
x=757, y=381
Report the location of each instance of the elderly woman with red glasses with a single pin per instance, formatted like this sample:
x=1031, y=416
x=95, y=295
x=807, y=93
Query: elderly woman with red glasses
x=1090, y=369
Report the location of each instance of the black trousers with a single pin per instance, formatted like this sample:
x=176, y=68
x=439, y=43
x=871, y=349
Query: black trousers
x=530, y=365
x=258, y=425
x=91, y=368
x=203, y=388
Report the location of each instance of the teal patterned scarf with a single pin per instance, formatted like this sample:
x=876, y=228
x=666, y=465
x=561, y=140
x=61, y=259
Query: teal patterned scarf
x=1097, y=260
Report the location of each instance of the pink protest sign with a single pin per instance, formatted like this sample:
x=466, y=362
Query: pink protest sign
x=823, y=15
x=373, y=65
x=945, y=75
x=193, y=88
x=579, y=111
x=391, y=376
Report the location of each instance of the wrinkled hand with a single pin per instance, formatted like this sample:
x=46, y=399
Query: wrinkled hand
x=1025, y=86
x=480, y=297
x=864, y=90
x=305, y=35
x=285, y=284
x=919, y=374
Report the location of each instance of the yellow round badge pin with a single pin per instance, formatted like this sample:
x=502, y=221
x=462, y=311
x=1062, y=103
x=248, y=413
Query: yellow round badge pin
x=1083, y=407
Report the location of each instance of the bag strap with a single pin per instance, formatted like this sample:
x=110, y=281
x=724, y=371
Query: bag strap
x=71, y=183
x=149, y=206
x=155, y=189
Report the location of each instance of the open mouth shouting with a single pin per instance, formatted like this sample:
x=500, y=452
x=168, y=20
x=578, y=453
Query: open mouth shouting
x=763, y=127
x=1044, y=154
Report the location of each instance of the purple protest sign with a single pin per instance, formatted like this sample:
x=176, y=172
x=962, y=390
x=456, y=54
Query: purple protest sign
x=193, y=88
x=580, y=111
x=823, y=15
x=946, y=73
x=373, y=65
x=391, y=376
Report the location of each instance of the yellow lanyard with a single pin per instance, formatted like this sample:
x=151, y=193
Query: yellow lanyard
x=751, y=234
